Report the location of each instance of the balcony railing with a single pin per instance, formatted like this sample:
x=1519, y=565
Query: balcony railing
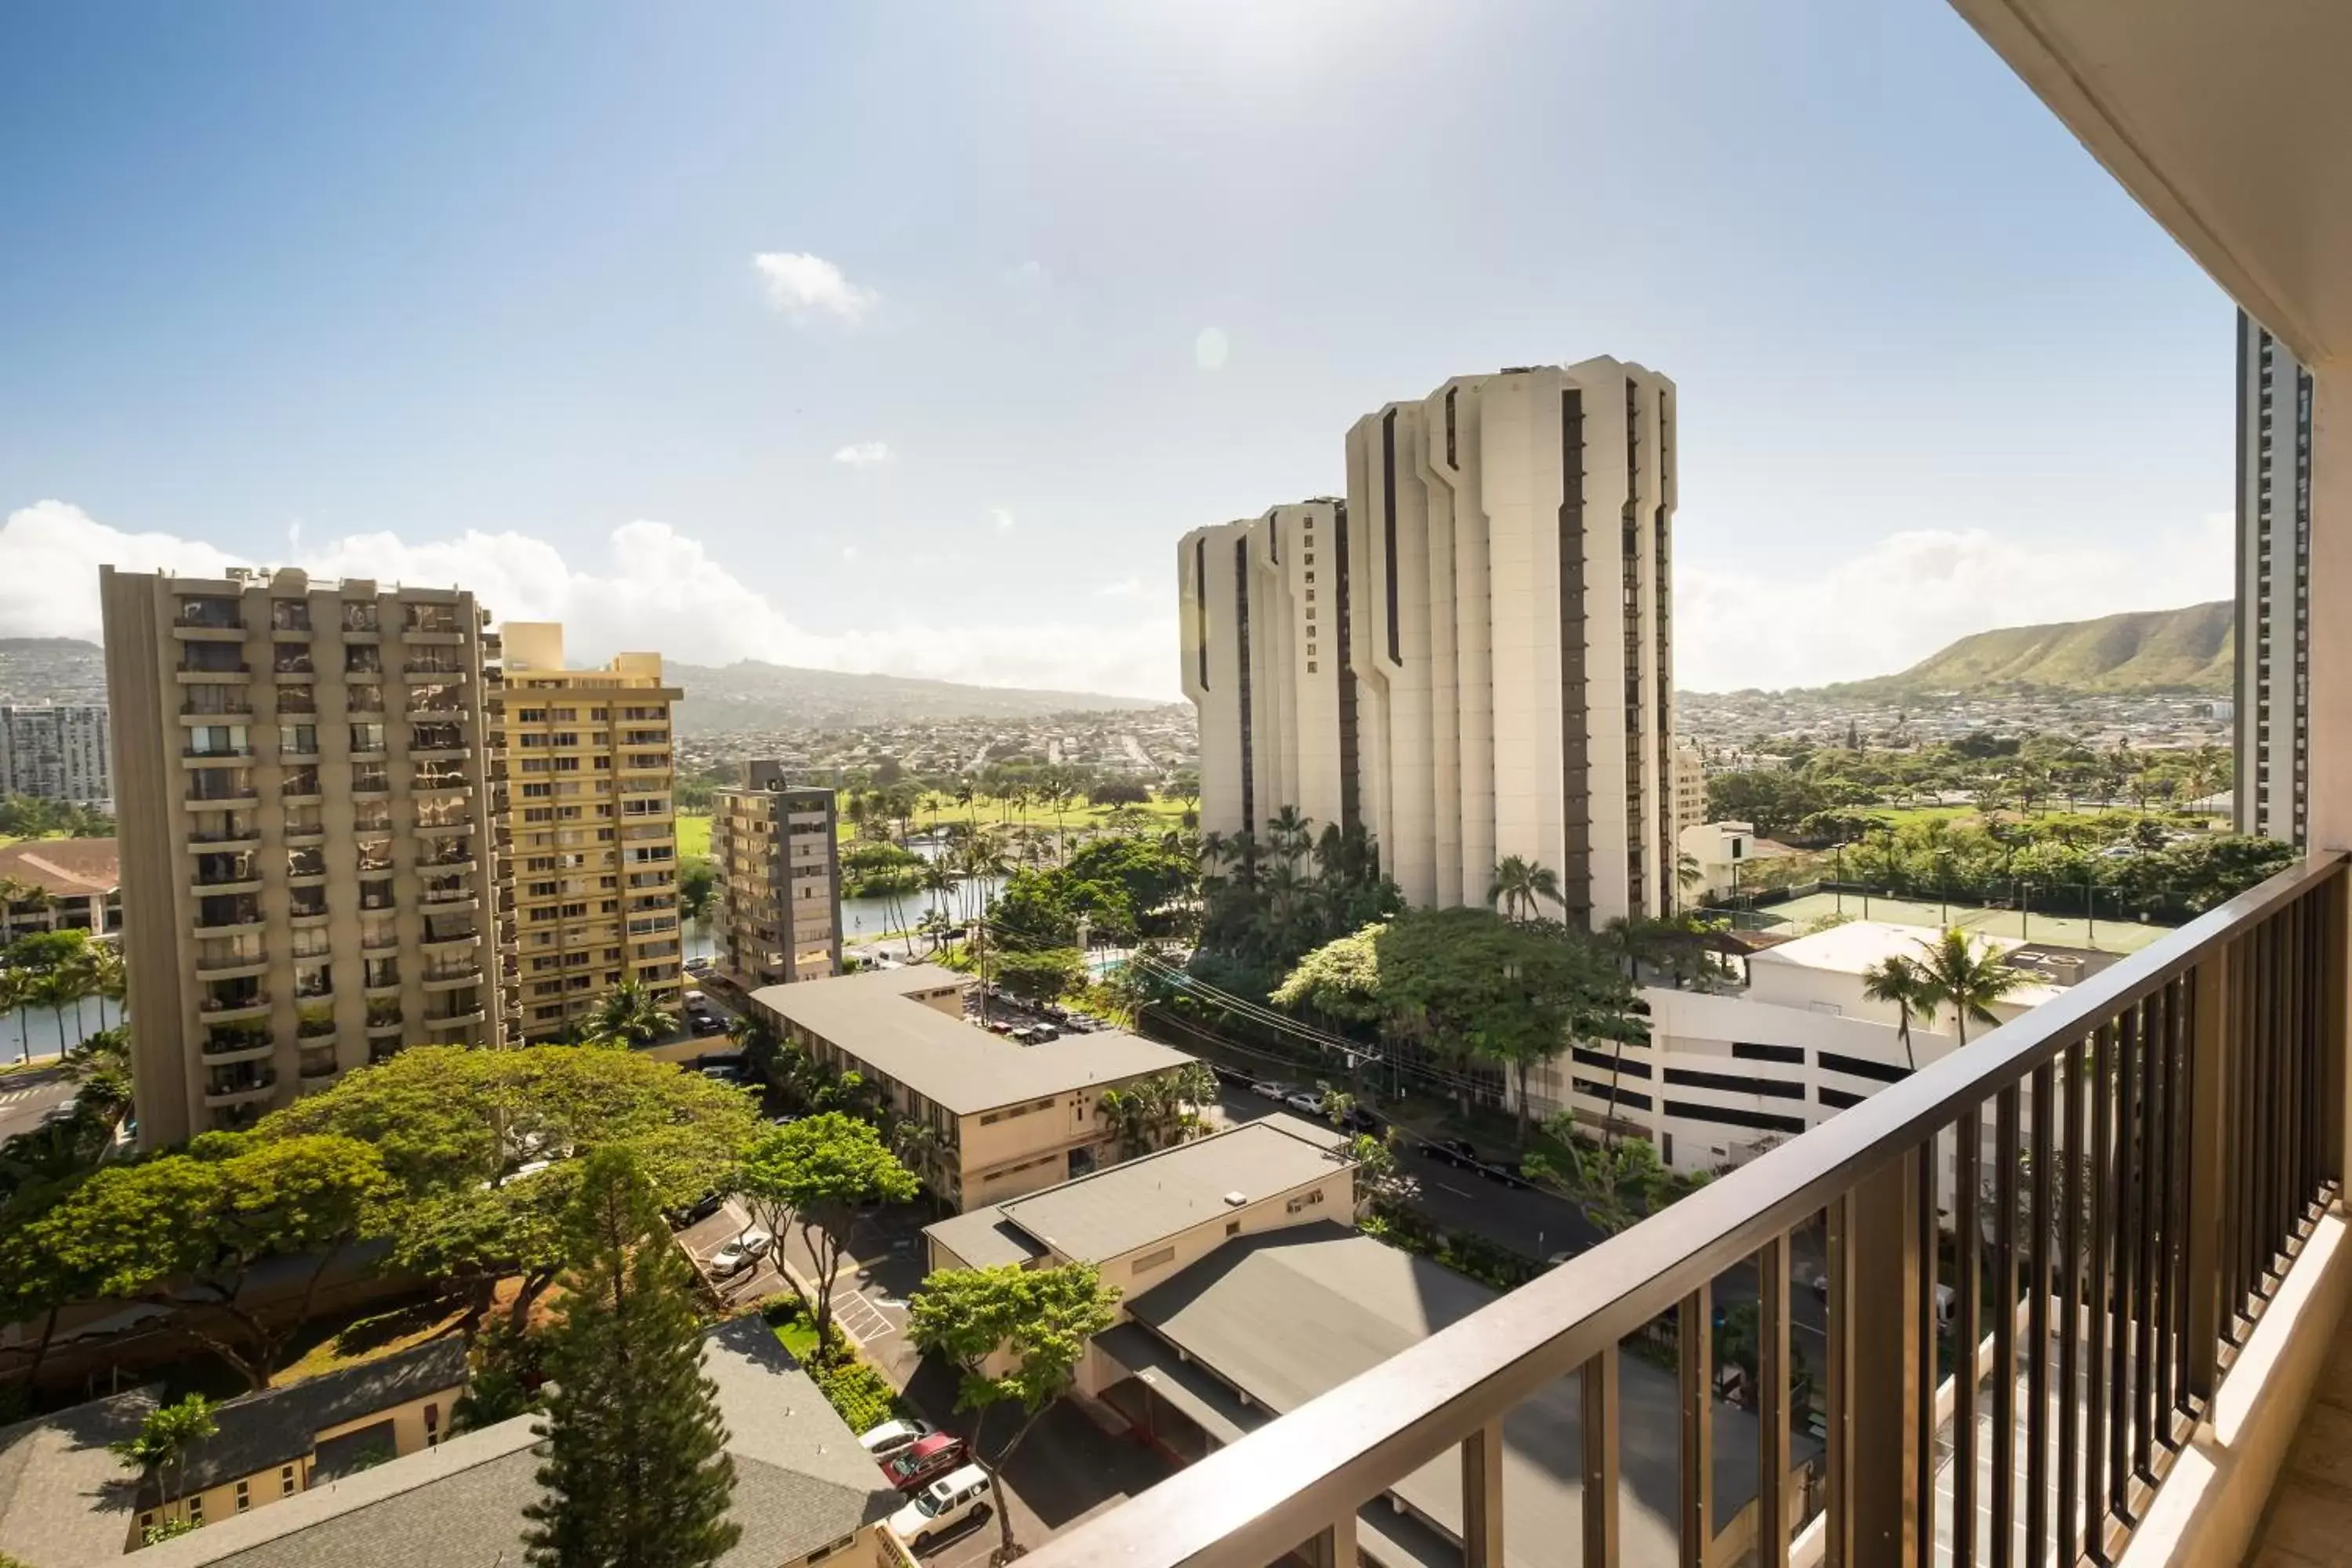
x=2137, y=1163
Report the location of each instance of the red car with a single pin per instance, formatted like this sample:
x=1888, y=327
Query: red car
x=916, y=1466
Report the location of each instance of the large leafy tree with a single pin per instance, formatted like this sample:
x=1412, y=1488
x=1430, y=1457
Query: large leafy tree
x=1016, y=1334
x=636, y=1472
x=816, y=1175
x=479, y=1142
x=189, y=1230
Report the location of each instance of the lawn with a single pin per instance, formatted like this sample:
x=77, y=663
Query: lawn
x=693, y=833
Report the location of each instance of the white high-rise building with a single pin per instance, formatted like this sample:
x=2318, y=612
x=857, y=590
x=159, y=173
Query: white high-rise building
x=56, y=753
x=1473, y=656
x=2273, y=585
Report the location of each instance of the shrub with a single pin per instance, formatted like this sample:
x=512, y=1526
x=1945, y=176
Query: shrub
x=857, y=1393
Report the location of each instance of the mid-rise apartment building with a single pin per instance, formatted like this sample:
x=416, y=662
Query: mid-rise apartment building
x=302, y=779
x=56, y=753
x=1472, y=655
x=2273, y=585
x=778, y=887
x=592, y=816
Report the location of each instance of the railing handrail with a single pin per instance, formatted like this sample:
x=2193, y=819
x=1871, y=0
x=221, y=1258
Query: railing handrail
x=1262, y=1496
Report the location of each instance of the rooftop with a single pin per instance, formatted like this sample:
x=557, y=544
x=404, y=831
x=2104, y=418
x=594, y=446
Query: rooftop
x=1286, y=1315
x=800, y=1482
x=64, y=868
x=875, y=1016
x=1120, y=1208
x=64, y=1499
x=1856, y=945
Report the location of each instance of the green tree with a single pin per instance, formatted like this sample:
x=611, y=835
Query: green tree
x=1016, y=1334
x=816, y=1175
x=1969, y=976
x=636, y=1472
x=1902, y=983
x=1520, y=886
x=698, y=881
x=628, y=1013
x=1041, y=974
x=167, y=1439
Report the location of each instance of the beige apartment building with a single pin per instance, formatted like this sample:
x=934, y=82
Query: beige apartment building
x=778, y=852
x=301, y=774
x=1005, y=1119
x=594, y=825
x=1472, y=654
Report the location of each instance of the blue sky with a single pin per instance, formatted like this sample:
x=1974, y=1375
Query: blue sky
x=454, y=291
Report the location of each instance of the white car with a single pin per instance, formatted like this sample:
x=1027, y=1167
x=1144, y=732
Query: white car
x=892, y=1436
x=944, y=1504
x=1307, y=1103
x=740, y=1254
x=1274, y=1089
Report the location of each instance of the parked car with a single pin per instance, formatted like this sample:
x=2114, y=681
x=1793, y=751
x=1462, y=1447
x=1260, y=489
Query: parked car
x=940, y=1506
x=700, y=1209
x=1356, y=1119
x=892, y=1436
x=925, y=1460
x=705, y=1023
x=1455, y=1152
x=1305, y=1101
x=1041, y=1033
x=739, y=1254
x=698, y=966
x=1274, y=1089
x=1023, y=1035
x=1504, y=1171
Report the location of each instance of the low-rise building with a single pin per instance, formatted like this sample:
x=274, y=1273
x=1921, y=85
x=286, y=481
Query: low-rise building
x=804, y=1491
x=777, y=848
x=61, y=884
x=1005, y=1119
x=1143, y=1221
x=1725, y=1076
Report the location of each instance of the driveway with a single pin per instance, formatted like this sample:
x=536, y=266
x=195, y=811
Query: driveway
x=27, y=1099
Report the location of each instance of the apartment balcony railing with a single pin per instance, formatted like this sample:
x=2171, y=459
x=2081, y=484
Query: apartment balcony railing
x=360, y=619
x=216, y=614
x=2143, y=1159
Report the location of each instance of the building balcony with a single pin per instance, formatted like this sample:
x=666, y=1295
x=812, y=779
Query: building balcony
x=455, y=1020
x=316, y=1071
x=246, y=1090
x=232, y=966
x=447, y=864
x=245, y=882
x=451, y=976
x=450, y=939
x=215, y=799
x=228, y=1009
x=436, y=670
x=2150, y=1252
x=441, y=785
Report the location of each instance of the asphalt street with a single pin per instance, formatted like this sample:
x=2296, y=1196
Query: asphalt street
x=25, y=1098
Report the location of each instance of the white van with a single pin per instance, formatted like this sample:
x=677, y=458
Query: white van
x=941, y=1506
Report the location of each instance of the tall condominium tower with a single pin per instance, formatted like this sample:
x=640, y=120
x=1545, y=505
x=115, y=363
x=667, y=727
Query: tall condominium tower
x=592, y=814
x=1474, y=658
x=2274, y=584
x=302, y=779
x=779, y=881
x=56, y=754
x=1264, y=605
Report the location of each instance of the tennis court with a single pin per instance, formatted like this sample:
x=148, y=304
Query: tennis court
x=2102, y=935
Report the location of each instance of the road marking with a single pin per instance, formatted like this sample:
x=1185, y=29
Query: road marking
x=1457, y=1192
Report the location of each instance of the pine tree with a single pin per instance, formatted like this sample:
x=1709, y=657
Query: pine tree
x=636, y=1469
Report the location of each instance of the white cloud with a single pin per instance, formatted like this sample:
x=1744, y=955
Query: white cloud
x=1210, y=349
x=658, y=589
x=866, y=454
x=1125, y=588
x=804, y=286
x=1915, y=592
x=1002, y=518
x=1029, y=275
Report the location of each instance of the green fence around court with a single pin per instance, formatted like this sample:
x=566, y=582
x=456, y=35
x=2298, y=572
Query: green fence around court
x=1807, y=905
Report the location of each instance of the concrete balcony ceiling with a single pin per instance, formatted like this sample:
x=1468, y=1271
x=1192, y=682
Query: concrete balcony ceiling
x=2228, y=122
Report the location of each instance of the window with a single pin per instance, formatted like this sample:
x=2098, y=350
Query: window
x=1232, y=1228
x=431, y=1424
x=1151, y=1260
x=1881, y=1072
x=1752, y=1053
x=1838, y=1098
x=244, y=1496
x=1725, y=1115
x=1633, y=1066
x=197, y=1508
x=286, y=1480
x=1730, y=1084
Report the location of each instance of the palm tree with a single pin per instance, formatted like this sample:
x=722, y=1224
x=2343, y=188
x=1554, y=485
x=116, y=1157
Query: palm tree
x=1902, y=983
x=1970, y=976
x=629, y=1014
x=1289, y=832
x=1520, y=884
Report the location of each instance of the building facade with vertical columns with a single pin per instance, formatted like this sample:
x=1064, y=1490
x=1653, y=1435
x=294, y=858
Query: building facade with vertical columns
x=1493, y=657
x=778, y=851
x=2275, y=395
x=308, y=859
x=593, y=825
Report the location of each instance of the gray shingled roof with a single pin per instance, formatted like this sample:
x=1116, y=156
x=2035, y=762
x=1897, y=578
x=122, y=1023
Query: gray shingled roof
x=1286, y=1315
x=64, y=1499
x=800, y=1482
x=279, y=1425
x=948, y=1061
x=1121, y=1207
